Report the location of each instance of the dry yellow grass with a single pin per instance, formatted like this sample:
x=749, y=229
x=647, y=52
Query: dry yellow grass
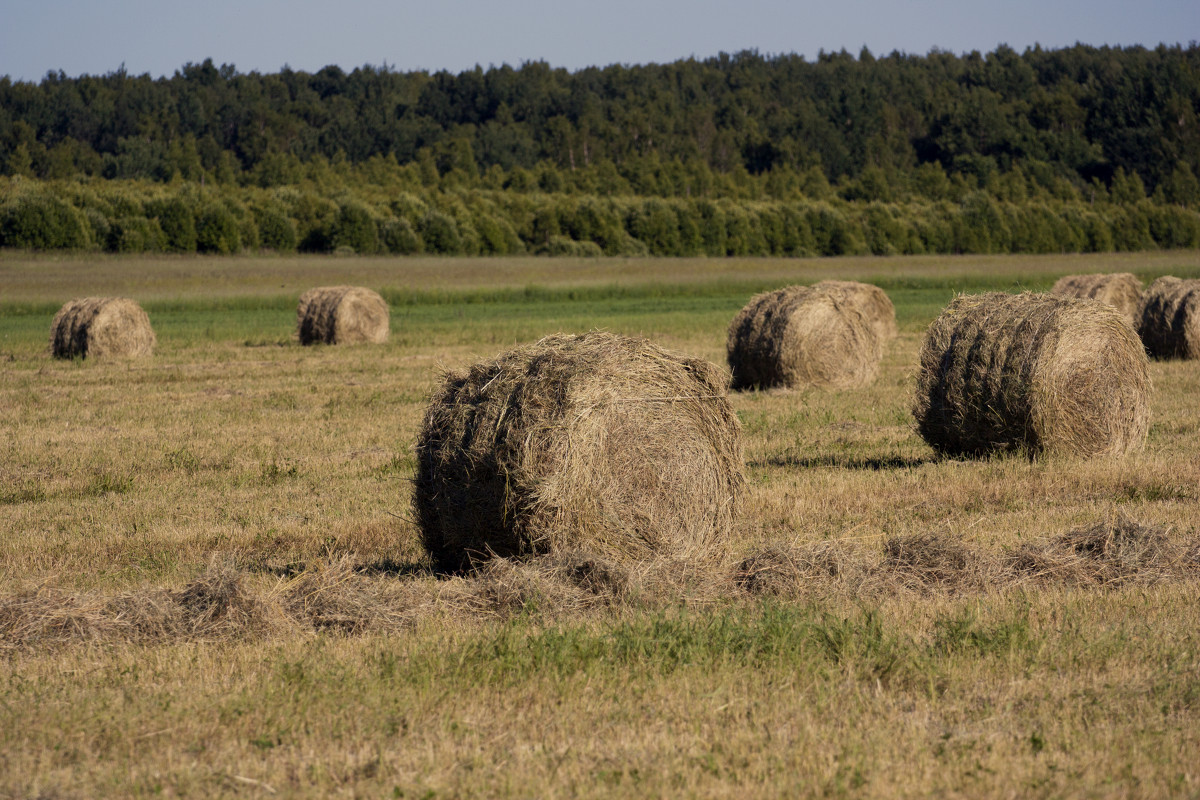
x=210, y=583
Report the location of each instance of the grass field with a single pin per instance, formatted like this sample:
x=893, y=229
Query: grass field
x=210, y=583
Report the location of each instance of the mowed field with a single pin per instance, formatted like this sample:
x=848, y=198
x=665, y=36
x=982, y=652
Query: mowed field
x=211, y=583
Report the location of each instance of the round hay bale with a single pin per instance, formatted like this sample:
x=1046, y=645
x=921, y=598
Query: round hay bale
x=101, y=327
x=1169, y=318
x=597, y=442
x=1121, y=290
x=803, y=336
x=341, y=315
x=871, y=300
x=1035, y=373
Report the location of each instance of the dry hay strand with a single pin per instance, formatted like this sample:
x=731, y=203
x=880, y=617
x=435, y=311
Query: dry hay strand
x=101, y=327
x=47, y=616
x=1169, y=318
x=792, y=571
x=1120, y=550
x=936, y=561
x=599, y=442
x=803, y=336
x=1121, y=290
x=341, y=315
x=871, y=300
x=553, y=586
x=336, y=596
x=215, y=605
x=1033, y=373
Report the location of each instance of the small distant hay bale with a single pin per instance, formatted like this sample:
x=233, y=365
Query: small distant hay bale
x=341, y=315
x=1169, y=318
x=873, y=301
x=597, y=442
x=1032, y=372
x=803, y=336
x=101, y=327
x=1121, y=290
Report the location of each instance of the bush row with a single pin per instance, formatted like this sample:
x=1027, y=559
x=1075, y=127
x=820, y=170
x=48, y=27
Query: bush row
x=187, y=218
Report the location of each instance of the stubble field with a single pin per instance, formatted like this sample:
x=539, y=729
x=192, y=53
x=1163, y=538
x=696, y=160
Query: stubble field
x=211, y=584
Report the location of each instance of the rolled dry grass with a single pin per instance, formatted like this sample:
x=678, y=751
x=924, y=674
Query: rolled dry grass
x=341, y=315
x=802, y=336
x=1121, y=290
x=101, y=327
x=874, y=303
x=597, y=442
x=1169, y=318
x=1034, y=373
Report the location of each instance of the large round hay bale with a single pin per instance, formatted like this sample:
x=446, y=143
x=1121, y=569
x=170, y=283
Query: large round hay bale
x=599, y=442
x=101, y=327
x=1032, y=372
x=871, y=300
x=803, y=336
x=1121, y=290
x=1169, y=318
x=342, y=315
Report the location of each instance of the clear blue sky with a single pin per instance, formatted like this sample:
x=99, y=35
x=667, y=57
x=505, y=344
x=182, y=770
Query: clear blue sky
x=89, y=36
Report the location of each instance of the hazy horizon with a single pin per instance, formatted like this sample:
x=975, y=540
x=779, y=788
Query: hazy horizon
x=80, y=38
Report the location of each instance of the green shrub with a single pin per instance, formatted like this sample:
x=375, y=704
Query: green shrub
x=833, y=233
x=440, y=233
x=98, y=224
x=655, y=223
x=497, y=236
x=177, y=222
x=41, y=222
x=355, y=228
x=135, y=235
x=397, y=236
x=563, y=246
x=315, y=218
x=276, y=230
x=217, y=230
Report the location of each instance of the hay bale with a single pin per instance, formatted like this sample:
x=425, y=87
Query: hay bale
x=803, y=336
x=101, y=327
x=1032, y=372
x=598, y=442
x=341, y=315
x=871, y=300
x=1169, y=318
x=1121, y=290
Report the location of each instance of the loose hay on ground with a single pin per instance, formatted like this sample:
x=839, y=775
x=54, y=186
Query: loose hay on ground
x=790, y=571
x=101, y=327
x=224, y=603
x=1116, y=551
x=1121, y=290
x=599, y=442
x=1169, y=318
x=1034, y=373
x=804, y=336
x=1109, y=553
x=341, y=315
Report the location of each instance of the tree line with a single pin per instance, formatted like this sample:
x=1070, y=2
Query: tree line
x=1077, y=113
x=1076, y=149
x=351, y=215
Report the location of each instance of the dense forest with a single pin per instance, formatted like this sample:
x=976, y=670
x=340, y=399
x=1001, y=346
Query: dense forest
x=1073, y=149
